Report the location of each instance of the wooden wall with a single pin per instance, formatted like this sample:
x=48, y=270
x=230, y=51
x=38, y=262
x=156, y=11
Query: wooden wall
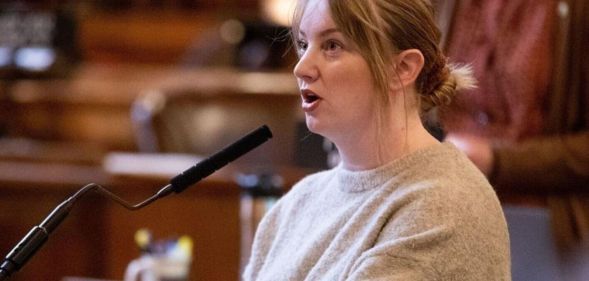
x=154, y=37
x=57, y=131
x=97, y=238
x=66, y=128
x=94, y=104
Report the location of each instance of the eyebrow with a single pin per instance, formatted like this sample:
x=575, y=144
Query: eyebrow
x=323, y=33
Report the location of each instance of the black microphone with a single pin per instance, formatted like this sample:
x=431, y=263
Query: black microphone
x=37, y=237
x=220, y=159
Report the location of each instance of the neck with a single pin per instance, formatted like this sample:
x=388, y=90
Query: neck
x=399, y=137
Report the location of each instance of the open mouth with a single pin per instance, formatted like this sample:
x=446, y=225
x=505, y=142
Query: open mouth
x=309, y=97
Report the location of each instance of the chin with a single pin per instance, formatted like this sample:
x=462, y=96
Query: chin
x=317, y=127
x=312, y=125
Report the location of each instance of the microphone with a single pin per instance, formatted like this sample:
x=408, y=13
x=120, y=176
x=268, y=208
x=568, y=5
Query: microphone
x=38, y=235
x=208, y=166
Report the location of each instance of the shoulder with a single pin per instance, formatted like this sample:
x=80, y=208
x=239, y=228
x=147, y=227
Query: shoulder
x=445, y=209
x=451, y=169
x=448, y=190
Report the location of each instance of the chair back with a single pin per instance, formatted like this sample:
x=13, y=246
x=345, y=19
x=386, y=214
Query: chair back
x=202, y=123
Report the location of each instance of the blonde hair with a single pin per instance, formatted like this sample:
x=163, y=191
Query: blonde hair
x=382, y=28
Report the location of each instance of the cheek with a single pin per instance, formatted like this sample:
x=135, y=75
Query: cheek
x=357, y=84
x=353, y=72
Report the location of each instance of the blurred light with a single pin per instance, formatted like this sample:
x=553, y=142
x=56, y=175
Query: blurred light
x=34, y=58
x=563, y=9
x=253, y=54
x=278, y=11
x=232, y=31
x=5, y=56
x=211, y=119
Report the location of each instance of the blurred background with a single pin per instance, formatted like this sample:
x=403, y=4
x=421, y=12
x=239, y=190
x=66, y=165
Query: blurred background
x=128, y=93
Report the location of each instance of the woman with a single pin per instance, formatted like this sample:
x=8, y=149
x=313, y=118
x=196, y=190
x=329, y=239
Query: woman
x=400, y=205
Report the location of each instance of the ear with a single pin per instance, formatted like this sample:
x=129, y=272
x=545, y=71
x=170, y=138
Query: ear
x=406, y=68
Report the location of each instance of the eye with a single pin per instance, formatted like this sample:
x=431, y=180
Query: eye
x=332, y=46
x=301, y=46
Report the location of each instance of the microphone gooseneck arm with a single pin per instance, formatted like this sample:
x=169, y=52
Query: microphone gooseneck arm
x=38, y=235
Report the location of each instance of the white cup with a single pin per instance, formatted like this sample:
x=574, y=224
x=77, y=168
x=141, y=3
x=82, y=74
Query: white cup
x=158, y=268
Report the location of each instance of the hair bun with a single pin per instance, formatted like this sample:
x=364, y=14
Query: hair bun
x=460, y=77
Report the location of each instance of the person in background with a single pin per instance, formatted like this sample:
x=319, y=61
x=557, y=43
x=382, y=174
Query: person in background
x=527, y=124
x=400, y=205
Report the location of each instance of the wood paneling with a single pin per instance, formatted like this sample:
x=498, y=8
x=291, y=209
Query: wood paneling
x=157, y=36
x=97, y=238
x=94, y=104
x=78, y=121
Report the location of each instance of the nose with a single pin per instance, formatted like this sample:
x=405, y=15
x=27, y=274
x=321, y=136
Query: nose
x=306, y=68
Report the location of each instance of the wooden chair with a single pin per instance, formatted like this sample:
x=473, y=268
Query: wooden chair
x=202, y=123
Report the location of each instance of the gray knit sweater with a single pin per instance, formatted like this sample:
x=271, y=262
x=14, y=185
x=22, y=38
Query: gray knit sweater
x=428, y=216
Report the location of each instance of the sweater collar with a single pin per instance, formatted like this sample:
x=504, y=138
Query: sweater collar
x=360, y=181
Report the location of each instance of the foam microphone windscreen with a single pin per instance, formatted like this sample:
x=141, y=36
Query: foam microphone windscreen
x=218, y=160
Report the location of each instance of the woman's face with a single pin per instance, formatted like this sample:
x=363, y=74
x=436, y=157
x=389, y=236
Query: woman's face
x=338, y=95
